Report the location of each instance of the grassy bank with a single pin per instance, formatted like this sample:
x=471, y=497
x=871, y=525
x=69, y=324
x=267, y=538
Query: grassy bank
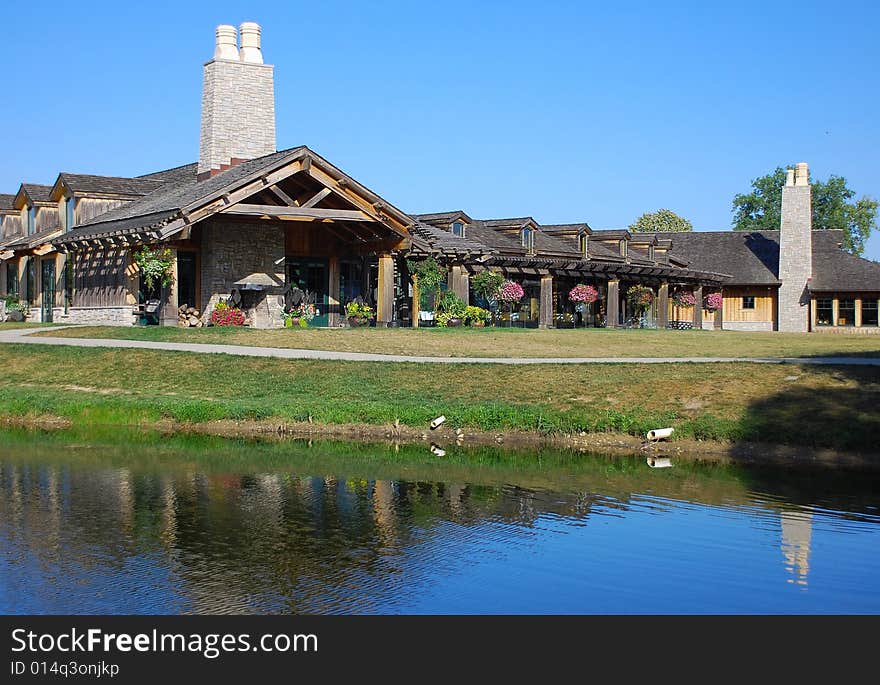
x=501, y=342
x=833, y=407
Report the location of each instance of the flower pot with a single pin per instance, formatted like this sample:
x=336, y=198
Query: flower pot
x=453, y=322
x=356, y=322
x=478, y=324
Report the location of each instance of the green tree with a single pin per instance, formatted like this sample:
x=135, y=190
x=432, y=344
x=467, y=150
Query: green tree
x=834, y=207
x=662, y=221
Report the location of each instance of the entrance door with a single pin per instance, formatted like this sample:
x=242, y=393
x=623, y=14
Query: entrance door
x=312, y=277
x=48, y=289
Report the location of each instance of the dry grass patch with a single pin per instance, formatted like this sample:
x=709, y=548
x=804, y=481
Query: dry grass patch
x=508, y=342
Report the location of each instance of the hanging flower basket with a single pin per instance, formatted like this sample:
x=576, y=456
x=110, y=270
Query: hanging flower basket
x=583, y=294
x=684, y=298
x=511, y=292
x=714, y=302
x=640, y=297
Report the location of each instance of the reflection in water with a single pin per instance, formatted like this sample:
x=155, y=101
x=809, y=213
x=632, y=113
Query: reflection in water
x=797, y=529
x=96, y=537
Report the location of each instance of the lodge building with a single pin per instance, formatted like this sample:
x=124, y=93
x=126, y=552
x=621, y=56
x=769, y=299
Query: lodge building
x=254, y=222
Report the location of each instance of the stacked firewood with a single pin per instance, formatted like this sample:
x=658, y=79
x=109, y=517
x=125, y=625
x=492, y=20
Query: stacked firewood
x=188, y=317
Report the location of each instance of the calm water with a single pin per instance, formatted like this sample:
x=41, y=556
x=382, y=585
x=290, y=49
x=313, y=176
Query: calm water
x=108, y=525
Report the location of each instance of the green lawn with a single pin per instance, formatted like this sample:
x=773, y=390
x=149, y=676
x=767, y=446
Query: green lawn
x=500, y=342
x=816, y=406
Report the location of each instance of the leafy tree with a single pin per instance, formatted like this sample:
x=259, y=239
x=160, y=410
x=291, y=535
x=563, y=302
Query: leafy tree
x=663, y=221
x=833, y=208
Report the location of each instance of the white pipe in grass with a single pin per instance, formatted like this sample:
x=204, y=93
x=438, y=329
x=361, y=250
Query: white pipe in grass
x=659, y=462
x=660, y=433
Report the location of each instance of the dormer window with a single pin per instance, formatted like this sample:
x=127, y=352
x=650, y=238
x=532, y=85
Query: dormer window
x=623, y=248
x=31, y=219
x=458, y=229
x=527, y=238
x=651, y=252
x=67, y=217
x=583, y=243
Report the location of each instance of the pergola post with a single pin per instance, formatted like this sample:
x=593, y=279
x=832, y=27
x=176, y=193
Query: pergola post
x=612, y=310
x=663, y=306
x=545, y=310
x=385, y=298
x=698, y=308
x=719, y=314
x=333, y=304
x=416, y=301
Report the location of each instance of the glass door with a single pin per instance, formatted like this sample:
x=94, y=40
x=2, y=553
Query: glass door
x=312, y=277
x=48, y=297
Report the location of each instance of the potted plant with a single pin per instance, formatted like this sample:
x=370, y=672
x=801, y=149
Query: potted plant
x=358, y=314
x=583, y=294
x=684, y=298
x=451, y=310
x=476, y=317
x=225, y=315
x=510, y=293
x=640, y=297
x=299, y=315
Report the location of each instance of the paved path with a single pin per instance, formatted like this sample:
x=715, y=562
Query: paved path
x=23, y=335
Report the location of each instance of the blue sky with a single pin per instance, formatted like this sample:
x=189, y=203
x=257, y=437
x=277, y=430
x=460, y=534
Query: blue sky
x=561, y=110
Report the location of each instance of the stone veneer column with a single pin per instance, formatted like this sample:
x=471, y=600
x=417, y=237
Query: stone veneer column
x=795, y=251
x=545, y=310
x=663, y=306
x=612, y=305
x=698, y=308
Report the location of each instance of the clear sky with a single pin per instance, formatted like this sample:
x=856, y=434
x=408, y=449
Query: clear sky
x=564, y=111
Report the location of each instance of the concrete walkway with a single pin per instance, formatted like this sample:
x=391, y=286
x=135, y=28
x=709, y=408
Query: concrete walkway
x=24, y=335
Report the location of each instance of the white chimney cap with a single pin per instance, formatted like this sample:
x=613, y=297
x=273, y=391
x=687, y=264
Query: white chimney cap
x=802, y=174
x=226, y=46
x=250, y=43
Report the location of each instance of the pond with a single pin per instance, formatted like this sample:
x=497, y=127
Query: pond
x=140, y=523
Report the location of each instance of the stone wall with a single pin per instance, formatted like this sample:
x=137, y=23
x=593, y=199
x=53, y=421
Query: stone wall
x=748, y=326
x=244, y=251
x=795, y=252
x=98, y=316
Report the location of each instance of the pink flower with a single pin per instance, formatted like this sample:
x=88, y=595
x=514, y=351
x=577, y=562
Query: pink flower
x=511, y=292
x=583, y=293
x=714, y=302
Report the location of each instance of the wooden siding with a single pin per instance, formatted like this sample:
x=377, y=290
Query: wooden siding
x=46, y=218
x=87, y=208
x=765, y=304
x=11, y=225
x=101, y=278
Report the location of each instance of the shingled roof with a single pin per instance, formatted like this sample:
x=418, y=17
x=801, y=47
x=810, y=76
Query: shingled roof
x=37, y=192
x=176, y=174
x=167, y=200
x=109, y=185
x=7, y=202
x=838, y=270
x=750, y=258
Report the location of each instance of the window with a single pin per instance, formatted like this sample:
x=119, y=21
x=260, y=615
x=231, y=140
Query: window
x=69, y=266
x=824, y=311
x=458, y=229
x=651, y=252
x=31, y=219
x=528, y=239
x=30, y=281
x=623, y=248
x=869, y=312
x=846, y=313
x=68, y=213
x=584, y=243
x=748, y=302
x=12, y=278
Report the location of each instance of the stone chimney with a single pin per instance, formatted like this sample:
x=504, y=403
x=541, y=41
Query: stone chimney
x=238, y=102
x=795, y=251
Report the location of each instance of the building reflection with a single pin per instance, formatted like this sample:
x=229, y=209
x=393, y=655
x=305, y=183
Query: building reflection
x=797, y=532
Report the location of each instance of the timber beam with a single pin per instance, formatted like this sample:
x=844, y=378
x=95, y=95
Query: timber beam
x=297, y=213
